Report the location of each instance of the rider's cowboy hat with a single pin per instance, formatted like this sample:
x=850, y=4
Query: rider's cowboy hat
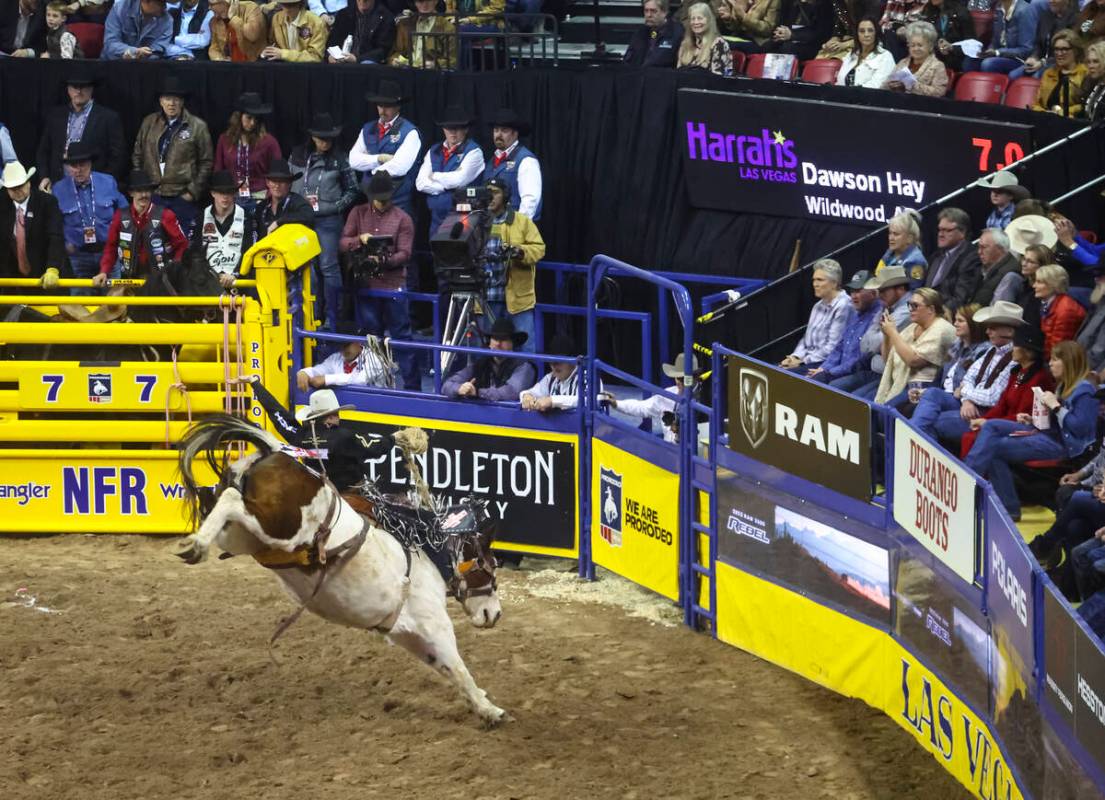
x=323, y=403
x=1023, y=232
x=676, y=370
x=1000, y=313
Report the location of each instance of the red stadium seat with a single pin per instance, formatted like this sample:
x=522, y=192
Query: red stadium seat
x=952, y=75
x=984, y=25
x=820, y=70
x=738, y=61
x=754, y=66
x=981, y=87
x=90, y=36
x=1022, y=93
x=1044, y=464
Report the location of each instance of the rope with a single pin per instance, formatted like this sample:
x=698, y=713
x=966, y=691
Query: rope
x=414, y=441
x=180, y=386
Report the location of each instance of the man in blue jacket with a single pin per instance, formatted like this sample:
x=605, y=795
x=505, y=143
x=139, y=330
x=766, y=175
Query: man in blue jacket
x=139, y=30
x=848, y=361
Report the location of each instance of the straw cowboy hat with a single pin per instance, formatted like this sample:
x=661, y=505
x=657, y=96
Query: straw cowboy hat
x=890, y=276
x=1023, y=232
x=1000, y=313
x=676, y=370
x=15, y=175
x=78, y=313
x=323, y=403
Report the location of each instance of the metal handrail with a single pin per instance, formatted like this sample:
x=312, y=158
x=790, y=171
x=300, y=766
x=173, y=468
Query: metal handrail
x=455, y=43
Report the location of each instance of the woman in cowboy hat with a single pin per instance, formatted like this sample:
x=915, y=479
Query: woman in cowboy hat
x=660, y=408
x=329, y=185
x=247, y=149
x=281, y=206
x=455, y=163
x=500, y=378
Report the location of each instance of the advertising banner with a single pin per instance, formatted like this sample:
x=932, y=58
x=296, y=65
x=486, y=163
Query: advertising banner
x=530, y=477
x=635, y=518
x=1060, y=664
x=934, y=499
x=1009, y=594
x=800, y=427
x=801, y=158
x=1089, y=719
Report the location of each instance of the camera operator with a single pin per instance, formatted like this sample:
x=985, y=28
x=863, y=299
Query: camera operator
x=511, y=255
x=382, y=265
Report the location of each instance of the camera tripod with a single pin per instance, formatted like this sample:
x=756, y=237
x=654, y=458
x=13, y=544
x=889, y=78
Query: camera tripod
x=461, y=324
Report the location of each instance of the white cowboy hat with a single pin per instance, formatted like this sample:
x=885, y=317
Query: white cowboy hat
x=1029, y=230
x=1000, y=313
x=676, y=370
x=323, y=403
x=999, y=180
x=15, y=175
x=887, y=277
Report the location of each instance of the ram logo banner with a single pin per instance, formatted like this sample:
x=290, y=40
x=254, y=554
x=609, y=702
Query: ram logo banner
x=610, y=489
x=99, y=388
x=754, y=406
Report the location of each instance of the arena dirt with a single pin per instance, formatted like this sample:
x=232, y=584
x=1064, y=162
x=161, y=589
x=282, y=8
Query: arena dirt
x=154, y=681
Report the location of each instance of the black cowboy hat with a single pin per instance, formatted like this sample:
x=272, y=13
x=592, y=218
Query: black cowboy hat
x=280, y=171
x=386, y=94
x=1029, y=337
x=139, y=180
x=562, y=345
x=78, y=151
x=508, y=118
x=454, y=117
x=225, y=183
x=381, y=186
x=172, y=86
x=252, y=104
x=504, y=329
x=80, y=77
x=323, y=126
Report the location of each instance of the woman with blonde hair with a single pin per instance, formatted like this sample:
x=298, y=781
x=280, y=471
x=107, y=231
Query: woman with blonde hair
x=1066, y=433
x=1061, y=85
x=903, y=234
x=916, y=354
x=1093, y=87
x=703, y=47
x=1060, y=314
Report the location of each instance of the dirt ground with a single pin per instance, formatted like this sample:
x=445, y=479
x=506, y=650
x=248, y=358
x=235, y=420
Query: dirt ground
x=153, y=680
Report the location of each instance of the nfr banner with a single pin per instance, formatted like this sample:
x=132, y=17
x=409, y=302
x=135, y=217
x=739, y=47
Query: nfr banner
x=800, y=427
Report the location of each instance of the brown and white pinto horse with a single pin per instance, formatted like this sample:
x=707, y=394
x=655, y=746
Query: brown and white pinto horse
x=330, y=559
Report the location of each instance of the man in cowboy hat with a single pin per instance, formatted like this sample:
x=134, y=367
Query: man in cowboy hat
x=138, y=30
x=239, y=31
x=377, y=315
x=455, y=163
x=848, y=365
x=424, y=40
x=352, y=365
x=559, y=389
x=224, y=233
x=282, y=206
x=514, y=163
x=174, y=147
x=1001, y=271
x=660, y=408
x=892, y=285
x=954, y=270
x=88, y=201
x=946, y=413
x=498, y=377
x=192, y=28
x=83, y=120
x=295, y=34
x=389, y=143
x=364, y=31
x=31, y=223
x=1005, y=193
x=136, y=239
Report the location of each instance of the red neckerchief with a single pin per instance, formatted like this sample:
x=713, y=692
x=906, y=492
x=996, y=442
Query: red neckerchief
x=447, y=152
x=349, y=366
x=382, y=129
x=501, y=155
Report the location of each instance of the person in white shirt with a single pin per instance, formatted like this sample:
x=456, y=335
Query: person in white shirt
x=455, y=163
x=388, y=144
x=868, y=65
x=353, y=365
x=192, y=28
x=660, y=408
x=559, y=389
x=515, y=163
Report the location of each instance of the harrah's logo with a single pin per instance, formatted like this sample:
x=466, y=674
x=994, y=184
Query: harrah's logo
x=766, y=150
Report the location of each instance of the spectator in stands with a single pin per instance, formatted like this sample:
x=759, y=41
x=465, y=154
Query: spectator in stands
x=364, y=31
x=559, y=389
x=914, y=355
x=1035, y=256
x=804, y=25
x=1070, y=432
x=453, y=164
x=514, y=163
x=225, y=232
x=927, y=73
x=1080, y=249
x=1092, y=333
x=424, y=40
x=1012, y=39
x=657, y=42
x=955, y=270
x=330, y=186
x=868, y=64
x=1080, y=513
x=970, y=343
x=94, y=11
x=7, y=150
x=893, y=288
x=23, y=28
x=512, y=251
x=1031, y=237
x=295, y=34
x=842, y=32
x=138, y=30
x=239, y=31
x=1061, y=85
x=1091, y=21
x=175, y=144
x=946, y=413
x=953, y=23
x=897, y=16
x=1093, y=88
x=1087, y=562
x=192, y=27
x=500, y=378
x=60, y=43
x=1028, y=372
x=659, y=409
x=747, y=24
x=903, y=234
x=282, y=206
x=1056, y=16
x=476, y=16
x=1005, y=192
x=702, y=47
x=136, y=239
x=352, y=365
x=1060, y=314
x=83, y=120
x=377, y=315
x=847, y=367
x=390, y=144
x=327, y=10
x=827, y=319
x=1001, y=272
x=88, y=201
x=246, y=150
x=35, y=246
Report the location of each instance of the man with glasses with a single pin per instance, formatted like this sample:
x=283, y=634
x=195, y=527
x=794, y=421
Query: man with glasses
x=892, y=285
x=954, y=268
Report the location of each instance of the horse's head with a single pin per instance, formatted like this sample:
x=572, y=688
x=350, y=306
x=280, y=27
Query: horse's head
x=474, y=583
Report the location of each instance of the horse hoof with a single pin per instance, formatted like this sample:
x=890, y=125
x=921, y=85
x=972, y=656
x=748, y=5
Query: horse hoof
x=493, y=716
x=189, y=553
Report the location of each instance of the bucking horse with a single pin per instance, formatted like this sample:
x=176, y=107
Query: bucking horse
x=332, y=560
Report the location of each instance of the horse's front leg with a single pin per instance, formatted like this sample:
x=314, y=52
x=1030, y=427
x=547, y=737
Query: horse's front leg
x=228, y=509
